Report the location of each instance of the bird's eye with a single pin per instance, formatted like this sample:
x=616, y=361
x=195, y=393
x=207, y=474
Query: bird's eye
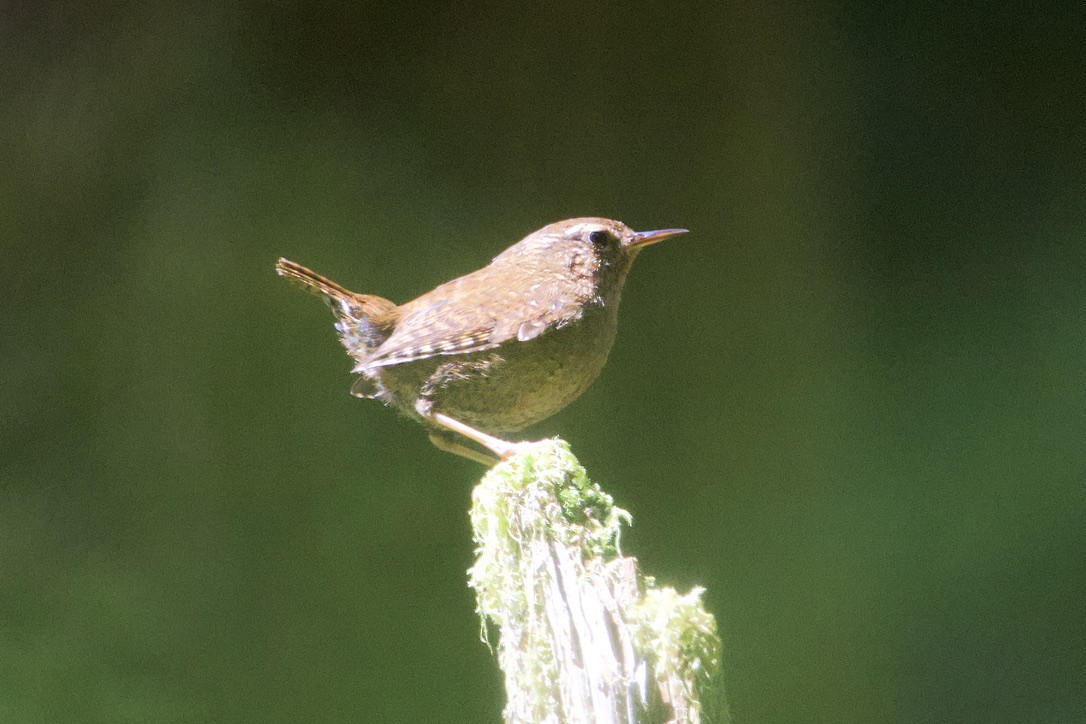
x=600, y=237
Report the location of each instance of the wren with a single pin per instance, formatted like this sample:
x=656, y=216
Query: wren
x=498, y=349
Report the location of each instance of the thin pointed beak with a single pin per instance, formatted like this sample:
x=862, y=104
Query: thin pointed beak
x=645, y=238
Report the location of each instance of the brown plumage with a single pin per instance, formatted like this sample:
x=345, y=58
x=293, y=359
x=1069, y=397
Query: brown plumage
x=498, y=349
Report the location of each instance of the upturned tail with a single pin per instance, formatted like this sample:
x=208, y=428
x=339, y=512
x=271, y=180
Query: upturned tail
x=312, y=281
x=364, y=321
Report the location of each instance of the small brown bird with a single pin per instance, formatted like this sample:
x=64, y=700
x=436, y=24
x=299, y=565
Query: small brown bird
x=501, y=348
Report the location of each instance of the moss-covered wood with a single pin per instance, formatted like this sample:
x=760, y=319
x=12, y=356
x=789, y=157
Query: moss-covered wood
x=583, y=636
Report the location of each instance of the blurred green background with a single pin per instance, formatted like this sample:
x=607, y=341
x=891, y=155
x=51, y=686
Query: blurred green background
x=850, y=402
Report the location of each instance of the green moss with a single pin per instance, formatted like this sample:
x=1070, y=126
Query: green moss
x=679, y=637
x=529, y=514
x=541, y=493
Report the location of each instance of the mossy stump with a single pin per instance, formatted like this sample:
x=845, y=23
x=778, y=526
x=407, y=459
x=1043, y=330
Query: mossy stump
x=583, y=636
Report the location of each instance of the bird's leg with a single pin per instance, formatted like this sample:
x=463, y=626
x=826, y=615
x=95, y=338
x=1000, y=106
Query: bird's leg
x=444, y=440
x=502, y=448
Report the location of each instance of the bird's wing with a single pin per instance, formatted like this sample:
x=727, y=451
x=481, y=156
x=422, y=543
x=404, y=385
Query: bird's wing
x=465, y=316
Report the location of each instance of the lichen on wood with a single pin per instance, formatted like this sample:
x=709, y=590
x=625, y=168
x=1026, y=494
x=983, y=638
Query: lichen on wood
x=583, y=637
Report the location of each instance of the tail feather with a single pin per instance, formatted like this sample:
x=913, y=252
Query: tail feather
x=364, y=321
x=312, y=281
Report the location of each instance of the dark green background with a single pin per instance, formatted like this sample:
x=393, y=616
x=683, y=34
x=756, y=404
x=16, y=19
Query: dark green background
x=850, y=402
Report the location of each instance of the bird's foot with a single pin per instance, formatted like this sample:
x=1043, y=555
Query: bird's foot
x=447, y=441
x=502, y=448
